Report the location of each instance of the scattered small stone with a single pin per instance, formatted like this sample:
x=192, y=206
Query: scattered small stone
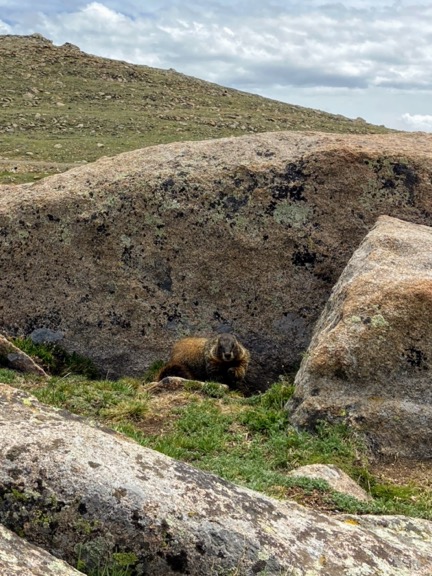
x=335, y=477
x=44, y=335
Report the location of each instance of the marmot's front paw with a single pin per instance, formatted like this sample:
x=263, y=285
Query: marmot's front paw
x=236, y=373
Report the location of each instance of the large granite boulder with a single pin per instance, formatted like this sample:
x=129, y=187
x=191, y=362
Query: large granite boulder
x=369, y=361
x=90, y=494
x=120, y=258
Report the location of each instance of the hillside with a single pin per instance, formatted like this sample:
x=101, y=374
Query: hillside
x=60, y=106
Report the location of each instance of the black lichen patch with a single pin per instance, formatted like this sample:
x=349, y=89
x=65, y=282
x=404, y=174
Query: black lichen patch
x=295, y=172
x=127, y=257
x=233, y=204
x=119, y=321
x=409, y=175
x=270, y=208
x=388, y=183
x=393, y=177
x=288, y=191
x=303, y=257
x=173, y=317
x=290, y=184
x=259, y=566
x=410, y=178
x=15, y=452
x=102, y=229
x=416, y=359
x=168, y=184
x=52, y=320
x=265, y=153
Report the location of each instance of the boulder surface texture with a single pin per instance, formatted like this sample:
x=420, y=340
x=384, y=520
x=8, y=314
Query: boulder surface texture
x=370, y=359
x=120, y=258
x=20, y=558
x=82, y=492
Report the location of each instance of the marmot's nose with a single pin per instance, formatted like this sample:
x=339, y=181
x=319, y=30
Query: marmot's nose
x=228, y=356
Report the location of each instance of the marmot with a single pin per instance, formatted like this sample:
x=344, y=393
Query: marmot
x=220, y=359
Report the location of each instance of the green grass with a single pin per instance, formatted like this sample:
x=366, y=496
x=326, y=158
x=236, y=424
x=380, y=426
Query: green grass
x=255, y=446
x=152, y=371
x=8, y=376
x=106, y=400
x=7, y=177
x=248, y=441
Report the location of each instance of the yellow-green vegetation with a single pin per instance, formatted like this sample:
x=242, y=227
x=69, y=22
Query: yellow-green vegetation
x=118, y=566
x=248, y=441
x=12, y=177
x=62, y=106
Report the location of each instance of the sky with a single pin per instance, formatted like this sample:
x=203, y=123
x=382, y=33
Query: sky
x=370, y=59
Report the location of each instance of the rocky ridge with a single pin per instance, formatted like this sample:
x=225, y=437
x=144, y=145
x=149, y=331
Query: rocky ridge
x=61, y=105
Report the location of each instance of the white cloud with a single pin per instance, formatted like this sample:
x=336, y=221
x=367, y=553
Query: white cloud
x=4, y=28
x=330, y=45
x=418, y=122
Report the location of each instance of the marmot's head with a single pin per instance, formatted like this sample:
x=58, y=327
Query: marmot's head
x=226, y=347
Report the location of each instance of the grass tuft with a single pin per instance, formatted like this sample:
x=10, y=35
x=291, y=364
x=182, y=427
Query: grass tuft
x=8, y=376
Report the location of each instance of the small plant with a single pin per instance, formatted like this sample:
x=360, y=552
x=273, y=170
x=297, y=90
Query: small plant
x=126, y=410
x=152, y=371
x=214, y=390
x=7, y=376
x=275, y=397
x=117, y=564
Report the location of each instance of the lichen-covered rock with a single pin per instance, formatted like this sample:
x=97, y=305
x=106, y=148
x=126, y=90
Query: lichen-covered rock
x=335, y=477
x=13, y=357
x=20, y=558
x=79, y=491
x=369, y=362
x=131, y=253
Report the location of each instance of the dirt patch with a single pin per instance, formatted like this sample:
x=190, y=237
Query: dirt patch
x=402, y=472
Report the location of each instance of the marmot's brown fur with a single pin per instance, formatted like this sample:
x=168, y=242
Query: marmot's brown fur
x=220, y=359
